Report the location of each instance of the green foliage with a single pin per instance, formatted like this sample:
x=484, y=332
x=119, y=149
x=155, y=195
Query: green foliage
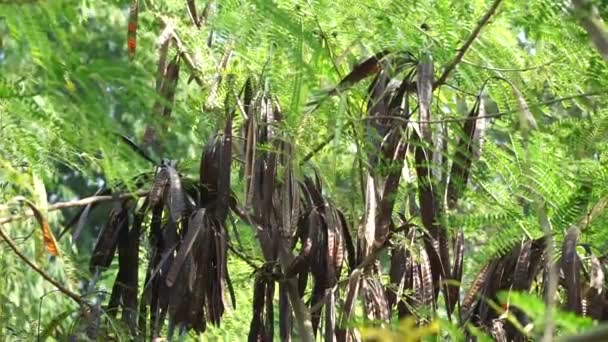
x=67, y=89
x=535, y=308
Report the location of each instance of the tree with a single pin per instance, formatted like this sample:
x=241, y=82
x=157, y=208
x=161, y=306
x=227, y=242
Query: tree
x=436, y=162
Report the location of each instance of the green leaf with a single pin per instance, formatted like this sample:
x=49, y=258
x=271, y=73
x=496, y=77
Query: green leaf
x=535, y=308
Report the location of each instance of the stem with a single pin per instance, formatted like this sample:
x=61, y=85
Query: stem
x=70, y=204
x=599, y=333
x=551, y=279
x=318, y=148
x=245, y=258
x=217, y=80
x=300, y=311
x=194, y=69
x=509, y=69
x=44, y=275
x=404, y=120
x=324, y=143
x=458, y=58
x=496, y=115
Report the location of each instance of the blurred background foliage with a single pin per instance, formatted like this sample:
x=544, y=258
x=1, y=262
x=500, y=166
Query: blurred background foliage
x=67, y=88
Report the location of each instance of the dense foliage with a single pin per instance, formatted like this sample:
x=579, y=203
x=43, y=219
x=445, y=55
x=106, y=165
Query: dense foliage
x=292, y=169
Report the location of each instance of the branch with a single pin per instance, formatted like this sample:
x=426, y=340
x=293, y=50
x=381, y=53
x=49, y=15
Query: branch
x=452, y=65
x=404, y=120
x=369, y=260
x=327, y=140
x=552, y=277
x=38, y=270
x=19, y=96
x=246, y=258
x=285, y=258
x=217, y=79
x=510, y=69
x=194, y=69
x=300, y=310
x=463, y=119
x=598, y=333
x=317, y=148
x=597, y=209
x=70, y=204
x=460, y=90
x=593, y=24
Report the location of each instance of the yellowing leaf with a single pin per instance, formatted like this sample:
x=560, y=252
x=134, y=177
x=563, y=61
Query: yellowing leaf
x=407, y=331
x=47, y=234
x=69, y=85
x=378, y=334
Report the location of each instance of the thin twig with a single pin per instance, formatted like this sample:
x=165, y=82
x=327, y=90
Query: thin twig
x=327, y=140
x=247, y=259
x=510, y=69
x=598, y=333
x=570, y=97
x=319, y=305
x=375, y=253
x=70, y=204
x=217, y=82
x=326, y=42
x=597, y=209
x=318, y=148
x=194, y=68
x=462, y=119
x=44, y=275
x=458, y=58
x=300, y=310
x=183, y=52
x=402, y=119
x=369, y=260
x=19, y=96
x=460, y=90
